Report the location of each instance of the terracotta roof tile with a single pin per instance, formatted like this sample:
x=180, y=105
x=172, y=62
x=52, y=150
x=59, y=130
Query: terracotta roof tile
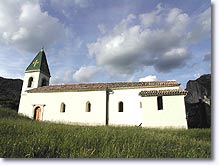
x=103, y=86
x=168, y=92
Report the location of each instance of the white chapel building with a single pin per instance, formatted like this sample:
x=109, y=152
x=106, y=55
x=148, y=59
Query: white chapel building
x=149, y=104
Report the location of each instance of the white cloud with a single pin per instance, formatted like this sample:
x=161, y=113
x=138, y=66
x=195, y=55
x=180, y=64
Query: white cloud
x=197, y=75
x=69, y=3
x=124, y=24
x=85, y=74
x=66, y=9
x=24, y=26
x=159, y=39
x=102, y=28
x=148, y=78
x=148, y=19
x=200, y=26
x=204, y=19
x=81, y=3
x=174, y=58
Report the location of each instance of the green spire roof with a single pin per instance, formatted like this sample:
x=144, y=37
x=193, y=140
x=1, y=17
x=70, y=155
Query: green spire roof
x=39, y=64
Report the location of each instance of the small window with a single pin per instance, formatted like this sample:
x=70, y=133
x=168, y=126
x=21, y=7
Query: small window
x=30, y=82
x=88, y=107
x=159, y=103
x=120, y=106
x=140, y=104
x=44, y=82
x=62, y=108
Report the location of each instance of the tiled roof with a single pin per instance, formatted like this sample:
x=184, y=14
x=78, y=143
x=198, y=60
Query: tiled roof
x=103, y=86
x=168, y=92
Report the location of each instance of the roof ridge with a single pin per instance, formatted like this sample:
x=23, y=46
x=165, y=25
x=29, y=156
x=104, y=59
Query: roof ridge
x=119, y=82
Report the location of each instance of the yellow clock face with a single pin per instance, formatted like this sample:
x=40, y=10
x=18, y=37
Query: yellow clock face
x=35, y=63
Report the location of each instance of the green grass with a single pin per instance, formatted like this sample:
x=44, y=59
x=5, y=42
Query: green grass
x=24, y=138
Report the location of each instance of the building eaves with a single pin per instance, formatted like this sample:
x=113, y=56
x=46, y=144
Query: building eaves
x=169, y=92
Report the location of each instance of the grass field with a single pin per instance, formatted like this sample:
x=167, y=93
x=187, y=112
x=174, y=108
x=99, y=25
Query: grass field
x=24, y=138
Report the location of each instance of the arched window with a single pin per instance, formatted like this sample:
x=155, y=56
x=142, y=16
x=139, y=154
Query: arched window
x=62, y=108
x=30, y=82
x=88, y=106
x=120, y=107
x=159, y=103
x=44, y=82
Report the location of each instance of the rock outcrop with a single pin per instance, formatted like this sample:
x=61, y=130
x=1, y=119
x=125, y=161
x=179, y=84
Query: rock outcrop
x=10, y=90
x=198, y=102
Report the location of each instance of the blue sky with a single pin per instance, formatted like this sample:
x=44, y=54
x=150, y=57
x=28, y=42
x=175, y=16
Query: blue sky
x=107, y=40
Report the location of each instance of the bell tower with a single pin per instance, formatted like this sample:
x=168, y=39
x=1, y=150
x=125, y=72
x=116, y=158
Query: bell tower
x=37, y=73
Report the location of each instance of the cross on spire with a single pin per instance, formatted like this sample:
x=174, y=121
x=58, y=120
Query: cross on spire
x=35, y=62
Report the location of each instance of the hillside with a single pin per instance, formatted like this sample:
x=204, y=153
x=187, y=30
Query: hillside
x=25, y=138
x=10, y=90
x=198, y=102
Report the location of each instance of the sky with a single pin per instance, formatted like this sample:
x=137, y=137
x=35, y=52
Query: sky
x=107, y=40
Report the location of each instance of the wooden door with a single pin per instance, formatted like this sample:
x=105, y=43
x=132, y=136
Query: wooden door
x=37, y=114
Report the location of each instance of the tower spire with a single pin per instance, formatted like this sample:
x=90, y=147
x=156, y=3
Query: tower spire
x=39, y=63
x=37, y=73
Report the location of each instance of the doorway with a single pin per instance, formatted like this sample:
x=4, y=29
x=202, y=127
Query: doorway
x=37, y=113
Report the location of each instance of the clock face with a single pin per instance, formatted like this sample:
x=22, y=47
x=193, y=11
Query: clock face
x=35, y=63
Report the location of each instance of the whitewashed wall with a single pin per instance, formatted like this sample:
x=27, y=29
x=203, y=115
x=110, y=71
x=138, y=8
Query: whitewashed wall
x=131, y=114
x=25, y=105
x=172, y=115
x=75, y=106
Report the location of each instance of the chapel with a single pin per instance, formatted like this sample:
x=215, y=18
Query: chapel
x=156, y=104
